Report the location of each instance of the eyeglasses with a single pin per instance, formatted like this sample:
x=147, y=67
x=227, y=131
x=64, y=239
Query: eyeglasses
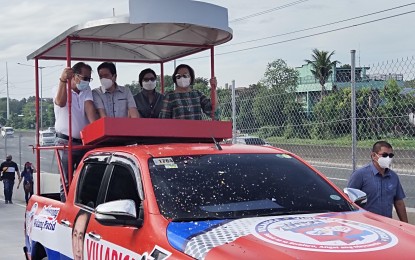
x=149, y=79
x=84, y=77
x=178, y=76
x=390, y=155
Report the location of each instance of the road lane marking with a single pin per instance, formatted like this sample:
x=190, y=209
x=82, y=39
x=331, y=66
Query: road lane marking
x=337, y=179
x=398, y=171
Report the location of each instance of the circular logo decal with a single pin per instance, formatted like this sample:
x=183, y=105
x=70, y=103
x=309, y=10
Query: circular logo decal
x=323, y=234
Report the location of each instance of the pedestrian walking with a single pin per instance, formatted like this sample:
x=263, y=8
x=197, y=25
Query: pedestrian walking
x=380, y=183
x=27, y=177
x=8, y=168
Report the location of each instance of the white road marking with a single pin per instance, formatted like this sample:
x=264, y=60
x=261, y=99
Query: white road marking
x=337, y=179
x=398, y=171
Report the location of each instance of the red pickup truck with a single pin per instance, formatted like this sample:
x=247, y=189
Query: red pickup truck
x=178, y=197
x=157, y=189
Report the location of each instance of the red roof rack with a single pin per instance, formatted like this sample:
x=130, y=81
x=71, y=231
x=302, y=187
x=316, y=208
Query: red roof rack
x=125, y=131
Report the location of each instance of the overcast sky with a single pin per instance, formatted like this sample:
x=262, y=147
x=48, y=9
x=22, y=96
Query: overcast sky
x=25, y=26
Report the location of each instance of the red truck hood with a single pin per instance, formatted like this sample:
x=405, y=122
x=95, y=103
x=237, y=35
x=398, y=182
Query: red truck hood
x=311, y=236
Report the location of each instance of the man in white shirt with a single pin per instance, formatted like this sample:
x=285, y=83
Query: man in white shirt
x=83, y=112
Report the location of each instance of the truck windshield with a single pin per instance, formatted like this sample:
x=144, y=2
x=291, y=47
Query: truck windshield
x=240, y=185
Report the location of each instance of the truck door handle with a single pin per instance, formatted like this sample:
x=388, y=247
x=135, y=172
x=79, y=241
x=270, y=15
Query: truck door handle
x=65, y=223
x=94, y=236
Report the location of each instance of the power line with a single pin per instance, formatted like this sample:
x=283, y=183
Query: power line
x=318, y=26
x=307, y=36
x=267, y=11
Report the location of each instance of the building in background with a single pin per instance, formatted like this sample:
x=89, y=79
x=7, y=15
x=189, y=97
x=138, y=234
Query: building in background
x=308, y=88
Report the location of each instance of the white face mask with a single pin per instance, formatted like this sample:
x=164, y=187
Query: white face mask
x=149, y=85
x=183, y=82
x=106, y=84
x=384, y=162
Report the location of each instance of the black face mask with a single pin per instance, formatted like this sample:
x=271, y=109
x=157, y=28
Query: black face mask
x=8, y=160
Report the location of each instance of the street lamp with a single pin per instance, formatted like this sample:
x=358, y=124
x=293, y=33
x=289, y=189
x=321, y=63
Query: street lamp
x=41, y=87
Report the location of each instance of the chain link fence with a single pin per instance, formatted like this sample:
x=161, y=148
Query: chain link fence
x=317, y=125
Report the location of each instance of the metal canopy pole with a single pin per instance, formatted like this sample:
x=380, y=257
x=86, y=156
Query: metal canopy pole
x=162, y=77
x=69, y=104
x=212, y=75
x=37, y=125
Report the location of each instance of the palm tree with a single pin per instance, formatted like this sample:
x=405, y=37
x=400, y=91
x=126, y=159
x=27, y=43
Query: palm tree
x=322, y=67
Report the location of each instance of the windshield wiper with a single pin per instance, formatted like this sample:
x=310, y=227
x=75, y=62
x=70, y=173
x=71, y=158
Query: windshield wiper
x=292, y=212
x=189, y=219
x=274, y=213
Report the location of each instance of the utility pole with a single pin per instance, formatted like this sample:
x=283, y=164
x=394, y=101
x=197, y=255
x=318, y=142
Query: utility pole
x=7, y=90
x=41, y=88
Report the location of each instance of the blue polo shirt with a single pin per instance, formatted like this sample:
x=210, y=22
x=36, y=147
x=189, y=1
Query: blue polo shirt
x=382, y=191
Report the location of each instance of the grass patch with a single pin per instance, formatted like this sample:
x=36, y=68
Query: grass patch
x=397, y=143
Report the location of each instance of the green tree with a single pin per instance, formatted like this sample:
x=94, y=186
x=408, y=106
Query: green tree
x=203, y=81
x=281, y=77
x=245, y=119
x=332, y=115
x=322, y=67
x=201, y=84
x=394, y=109
x=294, y=125
x=280, y=83
x=134, y=87
x=225, y=103
x=168, y=83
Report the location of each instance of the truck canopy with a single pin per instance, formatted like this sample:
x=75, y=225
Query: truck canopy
x=148, y=34
x=156, y=36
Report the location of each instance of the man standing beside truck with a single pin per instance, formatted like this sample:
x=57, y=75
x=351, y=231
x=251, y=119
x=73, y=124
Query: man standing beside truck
x=8, y=168
x=83, y=112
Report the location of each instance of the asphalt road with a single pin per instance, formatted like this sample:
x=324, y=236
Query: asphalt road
x=20, y=147
x=11, y=231
x=340, y=176
x=12, y=216
x=335, y=163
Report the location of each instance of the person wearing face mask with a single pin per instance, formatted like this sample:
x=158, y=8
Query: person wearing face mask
x=185, y=102
x=82, y=109
x=148, y=100
x=380, y=183
x=8, y=168
x=112, y=100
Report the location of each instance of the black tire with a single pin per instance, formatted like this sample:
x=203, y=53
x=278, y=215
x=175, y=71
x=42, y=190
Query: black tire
x=40, y=253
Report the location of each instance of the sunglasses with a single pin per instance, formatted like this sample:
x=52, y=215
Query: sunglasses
x=149, y=79
x=85, y=78
x=178, y=76
x=390, y=155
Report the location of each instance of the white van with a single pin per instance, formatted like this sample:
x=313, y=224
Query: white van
x=7, y=131
x=46, y=138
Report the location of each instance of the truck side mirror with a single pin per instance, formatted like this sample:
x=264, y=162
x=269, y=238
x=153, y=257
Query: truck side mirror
x=357, y=196
x=118, y=213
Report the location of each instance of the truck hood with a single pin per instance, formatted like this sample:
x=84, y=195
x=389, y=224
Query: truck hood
x=309, y=236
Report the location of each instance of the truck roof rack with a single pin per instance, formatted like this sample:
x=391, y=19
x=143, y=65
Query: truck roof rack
x=126, y=131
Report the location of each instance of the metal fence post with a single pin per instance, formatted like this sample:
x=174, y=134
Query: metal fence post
x=233, y=113
x=20, y=149
x=5, y=146
x=353, y=102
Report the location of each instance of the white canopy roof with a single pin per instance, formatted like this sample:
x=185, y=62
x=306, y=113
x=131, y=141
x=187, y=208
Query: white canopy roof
x=155, y=31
